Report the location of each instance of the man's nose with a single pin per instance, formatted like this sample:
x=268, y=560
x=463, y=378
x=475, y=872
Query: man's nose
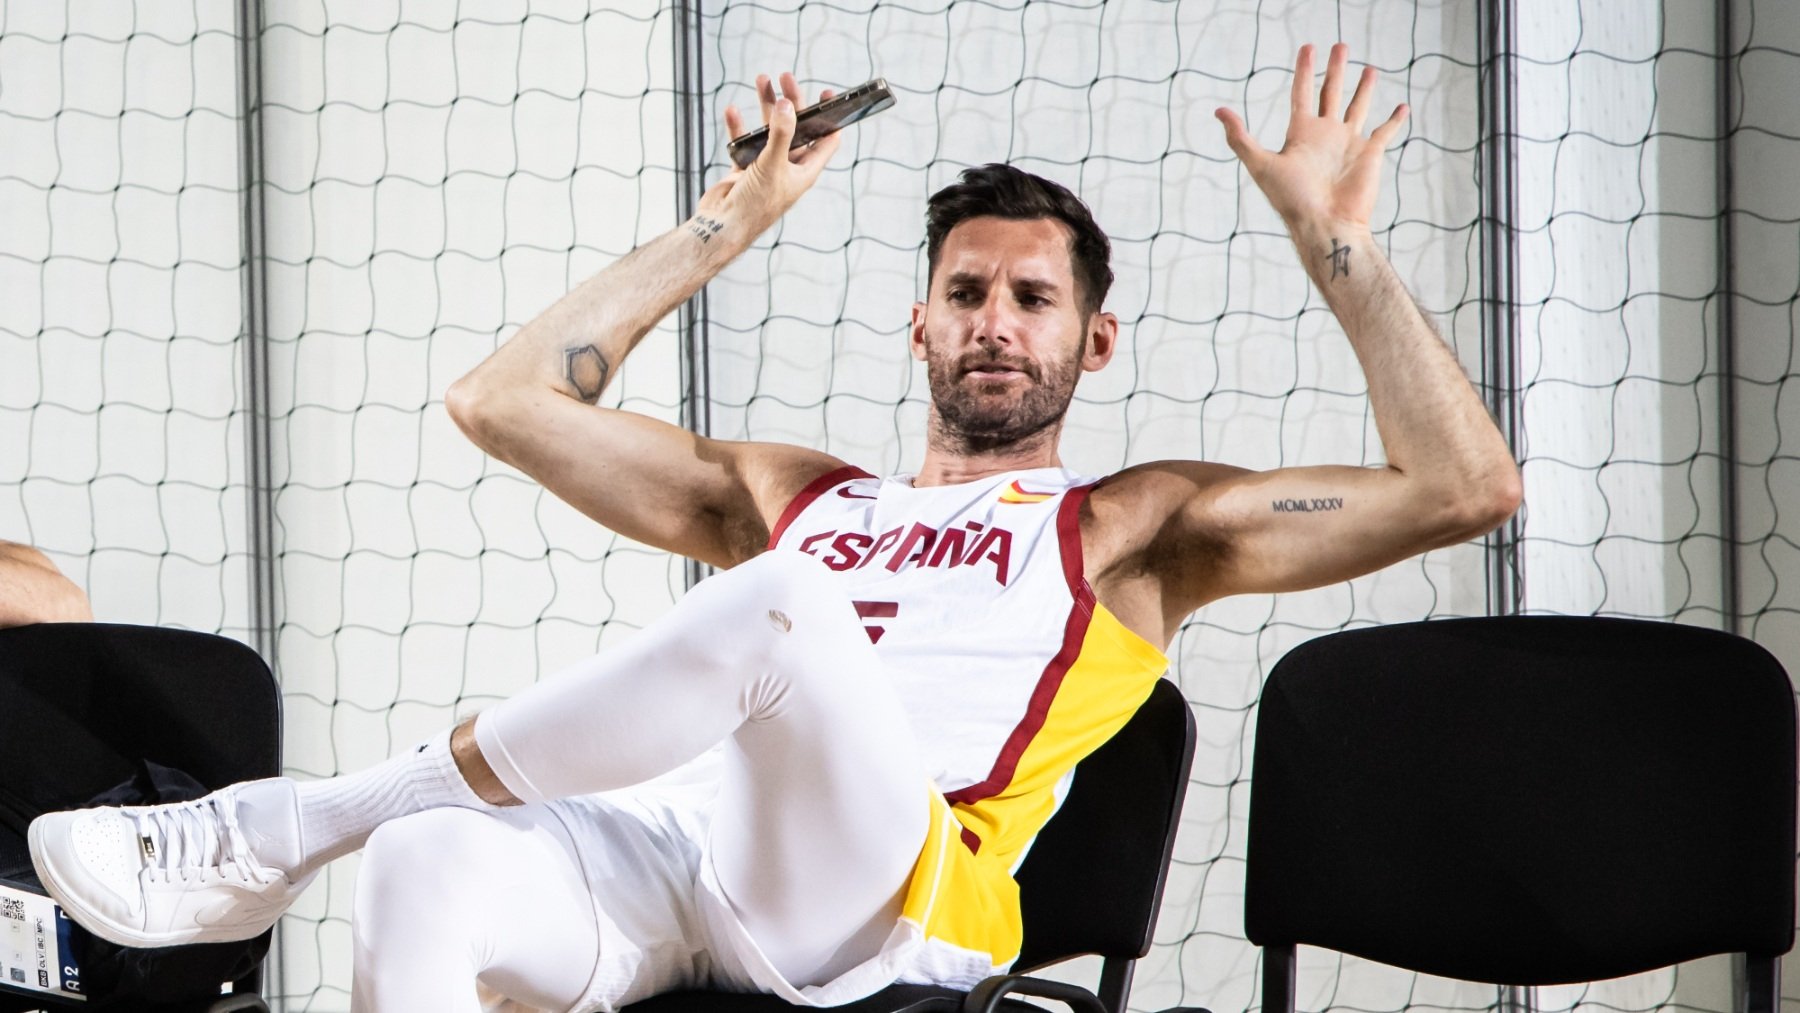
x=996, y=323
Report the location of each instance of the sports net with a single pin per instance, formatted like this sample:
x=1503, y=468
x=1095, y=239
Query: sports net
x=1227, y=355
x=1225, y=352
x=434, y=178
x=121, y=417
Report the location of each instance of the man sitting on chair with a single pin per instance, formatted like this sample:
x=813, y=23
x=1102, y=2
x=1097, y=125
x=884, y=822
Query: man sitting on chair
x=898, y=690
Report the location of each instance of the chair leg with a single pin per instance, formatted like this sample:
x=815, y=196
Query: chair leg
x=1115, y=983
x=1278, y=979
x=1759, y=990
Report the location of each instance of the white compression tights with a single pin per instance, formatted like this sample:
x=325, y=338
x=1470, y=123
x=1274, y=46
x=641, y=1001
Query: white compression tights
x=447, y=897
x=821, y=812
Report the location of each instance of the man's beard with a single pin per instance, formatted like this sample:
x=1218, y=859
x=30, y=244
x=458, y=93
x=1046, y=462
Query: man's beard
x=977, y=417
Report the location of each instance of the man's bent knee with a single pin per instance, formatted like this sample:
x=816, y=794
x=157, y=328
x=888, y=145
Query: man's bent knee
x=786, y=582
x=742, y=619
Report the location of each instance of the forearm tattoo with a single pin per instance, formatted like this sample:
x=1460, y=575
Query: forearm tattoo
x=1307, y=506
x=586, y=370
x=1340, y=259
x=705, y=227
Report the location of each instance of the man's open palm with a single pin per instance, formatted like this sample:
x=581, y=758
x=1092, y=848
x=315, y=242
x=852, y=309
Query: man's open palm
x=1326, y=169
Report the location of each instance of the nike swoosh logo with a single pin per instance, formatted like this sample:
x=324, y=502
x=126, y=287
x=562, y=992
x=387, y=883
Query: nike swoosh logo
x=845, y=492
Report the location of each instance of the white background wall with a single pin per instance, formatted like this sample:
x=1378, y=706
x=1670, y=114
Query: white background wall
x=435, y=177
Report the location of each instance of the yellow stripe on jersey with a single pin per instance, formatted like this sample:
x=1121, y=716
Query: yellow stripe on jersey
x=1016, y=493
x=969, y=899
x=957, y=897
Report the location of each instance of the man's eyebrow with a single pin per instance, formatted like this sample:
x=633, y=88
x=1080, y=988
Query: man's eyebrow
x=1028, y=284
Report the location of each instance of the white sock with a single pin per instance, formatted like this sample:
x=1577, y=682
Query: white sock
x=299, y=826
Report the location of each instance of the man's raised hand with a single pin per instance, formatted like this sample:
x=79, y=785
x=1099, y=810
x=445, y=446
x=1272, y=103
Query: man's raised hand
x=1326, y=170
x=763, y=191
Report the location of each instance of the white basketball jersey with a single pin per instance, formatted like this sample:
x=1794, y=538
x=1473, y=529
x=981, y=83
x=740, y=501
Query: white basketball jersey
x=975, y=599
x=1008, y=667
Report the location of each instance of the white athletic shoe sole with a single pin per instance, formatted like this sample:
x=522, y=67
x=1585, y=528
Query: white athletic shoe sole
x=90, y=862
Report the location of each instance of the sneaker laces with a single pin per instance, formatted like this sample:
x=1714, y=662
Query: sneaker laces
x=201, y=836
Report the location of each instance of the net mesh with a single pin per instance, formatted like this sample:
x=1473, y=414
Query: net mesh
x=121, y=419
x=1226, y=353
x=434, y=177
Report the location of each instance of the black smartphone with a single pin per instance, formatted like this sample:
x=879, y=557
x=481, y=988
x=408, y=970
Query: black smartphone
x=819, y=119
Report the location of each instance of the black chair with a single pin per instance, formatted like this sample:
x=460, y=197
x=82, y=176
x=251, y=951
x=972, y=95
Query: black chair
x=1091, y=884
x=81, y=703
x=1527, y=800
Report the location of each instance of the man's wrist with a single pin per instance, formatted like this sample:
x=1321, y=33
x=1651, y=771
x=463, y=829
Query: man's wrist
x=706, y=227
x=1332, y=250
x=1315, y=230
x=720, y=234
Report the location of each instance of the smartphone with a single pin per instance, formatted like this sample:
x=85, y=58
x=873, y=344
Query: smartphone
x=815, y=121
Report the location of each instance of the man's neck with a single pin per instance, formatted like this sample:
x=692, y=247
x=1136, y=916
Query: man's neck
x=947, y=462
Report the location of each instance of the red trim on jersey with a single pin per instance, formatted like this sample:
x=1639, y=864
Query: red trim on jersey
x=970, y=841
x=813, y=490
x=1068, y=537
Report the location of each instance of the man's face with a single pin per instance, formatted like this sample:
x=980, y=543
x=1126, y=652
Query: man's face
x=1002, y=332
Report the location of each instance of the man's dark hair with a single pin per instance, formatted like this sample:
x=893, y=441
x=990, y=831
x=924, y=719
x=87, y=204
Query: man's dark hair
x=1001, y=191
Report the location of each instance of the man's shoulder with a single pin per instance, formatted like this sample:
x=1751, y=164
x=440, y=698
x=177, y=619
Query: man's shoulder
x=1157, y=487
x=1129, y=511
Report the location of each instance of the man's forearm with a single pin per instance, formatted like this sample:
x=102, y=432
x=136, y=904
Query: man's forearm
x=576, y=345
x=1429, y=417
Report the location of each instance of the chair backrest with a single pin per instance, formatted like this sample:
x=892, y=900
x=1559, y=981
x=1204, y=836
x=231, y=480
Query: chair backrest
x=80, y=702
x=1094, y=878
x=1525, y=800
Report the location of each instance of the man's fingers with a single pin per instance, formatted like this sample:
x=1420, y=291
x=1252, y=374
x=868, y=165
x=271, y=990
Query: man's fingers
x=1359, y=102
x=765, y=95
x=781, y=134
x=1238, y=137
x=1332, y=94
x=791, y=88
x=1302, y=99
x=734, y=123
x=1384, y=134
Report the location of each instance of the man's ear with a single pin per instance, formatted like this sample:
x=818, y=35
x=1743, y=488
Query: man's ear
x=1102, y=341
x=917, y=339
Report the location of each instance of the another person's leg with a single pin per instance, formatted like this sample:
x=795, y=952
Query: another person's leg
x=452, y=897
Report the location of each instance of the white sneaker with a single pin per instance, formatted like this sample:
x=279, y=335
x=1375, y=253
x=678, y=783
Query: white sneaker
x=167, y=874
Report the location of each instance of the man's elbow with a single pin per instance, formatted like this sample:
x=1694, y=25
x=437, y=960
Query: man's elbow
x=478, y=410
x=1484, y=503
x=66, y=603
x=465, y=404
